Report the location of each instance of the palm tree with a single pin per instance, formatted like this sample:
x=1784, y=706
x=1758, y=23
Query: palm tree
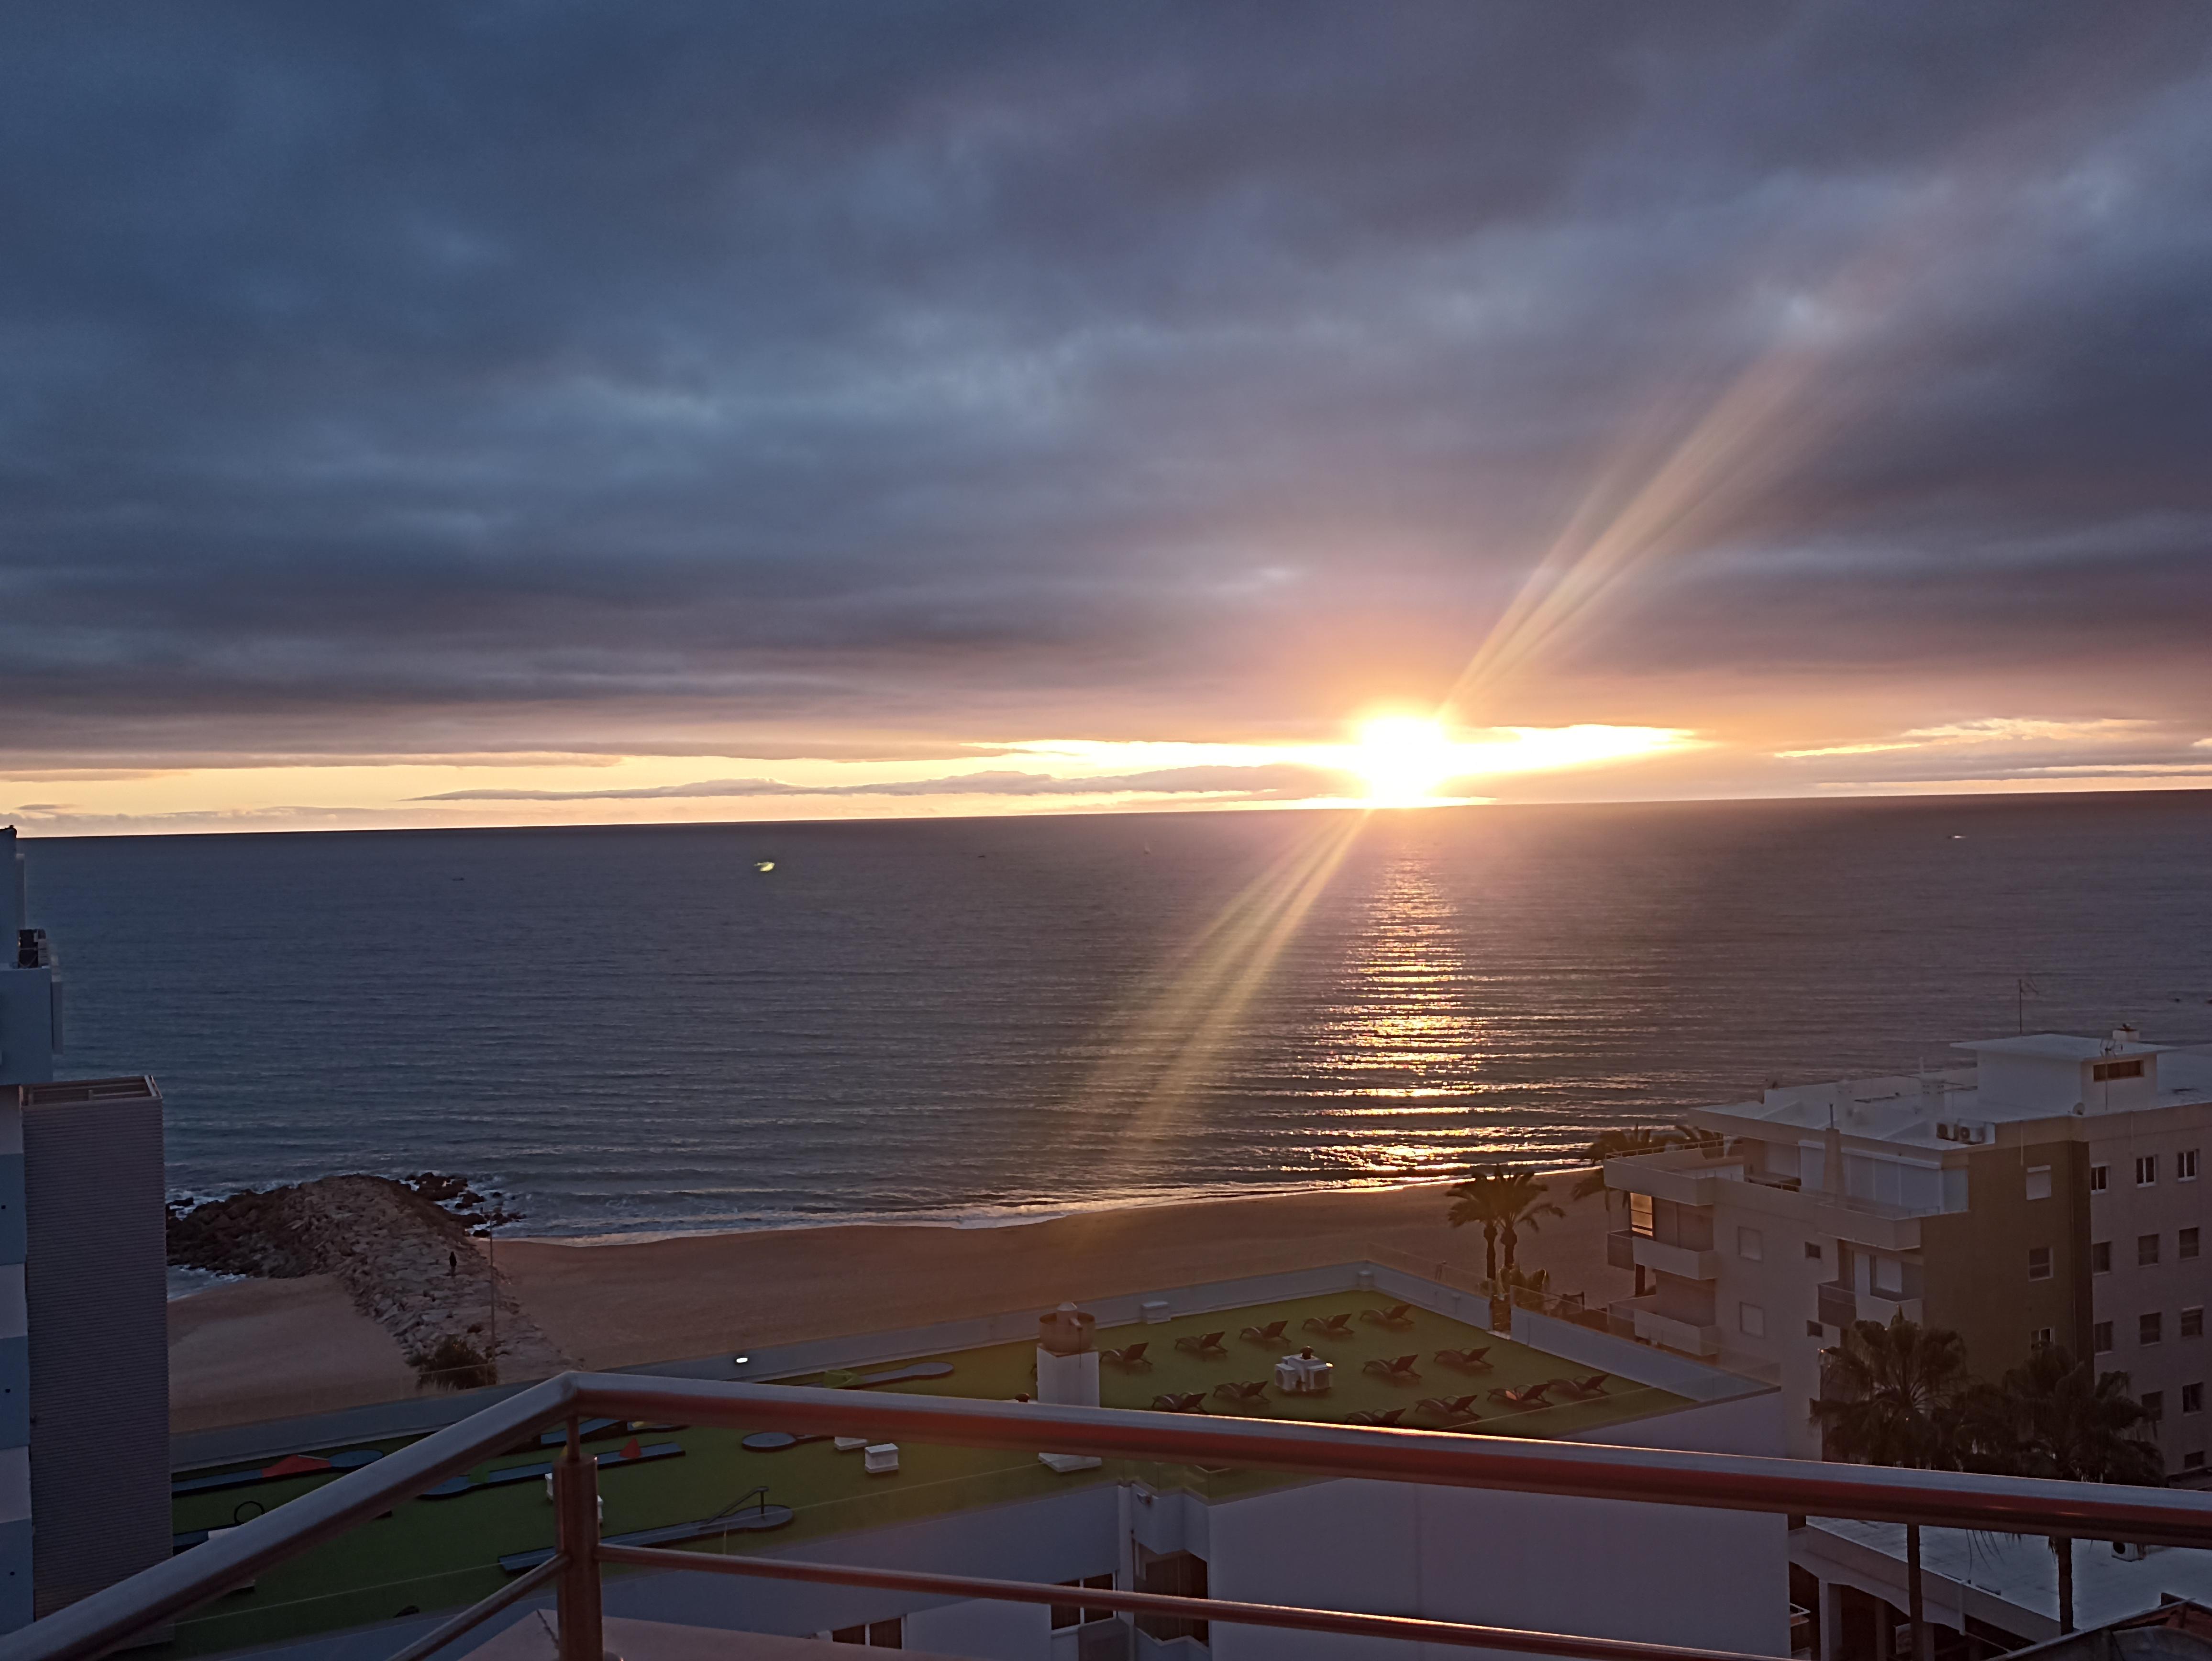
x=1892, y=1396
x=1504, y=1199
x=2054, y=1416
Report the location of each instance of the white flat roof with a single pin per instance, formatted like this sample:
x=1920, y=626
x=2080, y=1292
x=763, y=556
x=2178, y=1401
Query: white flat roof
x=2020, y=1568
x=1905, y=1108
x=2061, y=1047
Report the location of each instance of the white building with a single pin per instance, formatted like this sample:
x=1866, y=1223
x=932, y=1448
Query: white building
x=1999, y=1589
x=2045, y=1192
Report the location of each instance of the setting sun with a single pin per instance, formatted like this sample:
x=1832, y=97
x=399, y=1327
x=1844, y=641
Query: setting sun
x=1404, y=758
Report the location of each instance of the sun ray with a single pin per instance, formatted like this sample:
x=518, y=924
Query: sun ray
x=1166, y=1049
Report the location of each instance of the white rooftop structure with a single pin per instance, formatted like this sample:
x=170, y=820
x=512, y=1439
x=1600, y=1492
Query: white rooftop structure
x=2014, y=1081
x=2008, y=1580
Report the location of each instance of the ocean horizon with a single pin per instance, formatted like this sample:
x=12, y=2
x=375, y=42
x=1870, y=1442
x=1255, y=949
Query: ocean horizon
x=672, y=1029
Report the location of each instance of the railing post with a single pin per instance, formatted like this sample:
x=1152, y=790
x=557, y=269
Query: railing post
x=576, y=1520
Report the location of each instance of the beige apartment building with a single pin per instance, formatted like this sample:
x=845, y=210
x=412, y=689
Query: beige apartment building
x=2049, y=1191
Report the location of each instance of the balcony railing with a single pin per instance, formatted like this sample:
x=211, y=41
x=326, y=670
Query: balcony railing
x=100, y=1623
x=1626, y=1249
x=1690, y=1176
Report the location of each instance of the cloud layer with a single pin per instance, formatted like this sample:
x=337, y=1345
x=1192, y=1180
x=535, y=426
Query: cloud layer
x=854, y=381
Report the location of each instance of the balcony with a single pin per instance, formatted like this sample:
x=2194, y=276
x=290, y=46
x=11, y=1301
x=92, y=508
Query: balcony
x=1626, y=1248
x=1840, y=1305
x=1687, y=1175
x=132, y=1611
x=1685, y=1337
x=1687, y=1178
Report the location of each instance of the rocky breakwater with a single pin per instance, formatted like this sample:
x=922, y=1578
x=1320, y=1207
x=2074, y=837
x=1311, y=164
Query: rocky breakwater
x=409, y=1263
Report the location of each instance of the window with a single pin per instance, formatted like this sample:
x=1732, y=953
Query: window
x=1751, y=1318
x=1814, y=1330
x=2193, y=1462
x=2101, y=1337
x=1888, y=1277
x=2038, y=1181
x=1639, y=1214
x=2153, y=1404
x=2100, y=1256
x=1073, y=1615
x=1750, y=1243
x=2185, y=1245
x=2105, y=1072
x=2192, y=1398
x=1813, y=1250
x=2185, y=1166
x=876, y=1634
x=2150, y=1329
x=2146, y=1170
x=2096, y=1173
x=2145, y=1251
x=1178, y=1574
x=2039, y=1262
x=2192, y=1322
x=2039, y=1339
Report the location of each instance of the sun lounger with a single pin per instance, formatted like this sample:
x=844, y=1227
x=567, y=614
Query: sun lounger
x=1447, y=1407
x=1398, y=1315
x=1399, y=1370
x=1585, y=1387
x=1533, y=1397
x=1181, y=1401
x=1203, y=1343
x=1337, y=1326
x=1467, y=1360
x=1389, y=1416
x=1245, y=1393
x=1270, y=1334
x=1130, y=1355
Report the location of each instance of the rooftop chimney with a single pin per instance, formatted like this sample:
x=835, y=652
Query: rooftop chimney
x=1067, y=1372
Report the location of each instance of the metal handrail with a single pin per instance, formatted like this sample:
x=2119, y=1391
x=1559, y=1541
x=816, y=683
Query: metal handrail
x=1231, y=1611
x=1729, y=1481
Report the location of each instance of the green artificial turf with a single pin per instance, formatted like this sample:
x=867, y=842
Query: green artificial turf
x=441, y=1553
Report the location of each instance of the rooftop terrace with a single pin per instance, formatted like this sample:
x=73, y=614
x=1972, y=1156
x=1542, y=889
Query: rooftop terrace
x=437, y=1553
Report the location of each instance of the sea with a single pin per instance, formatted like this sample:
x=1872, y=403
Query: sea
x=973, y=1021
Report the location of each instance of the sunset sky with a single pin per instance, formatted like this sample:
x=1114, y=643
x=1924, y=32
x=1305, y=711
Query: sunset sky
x=473, y=414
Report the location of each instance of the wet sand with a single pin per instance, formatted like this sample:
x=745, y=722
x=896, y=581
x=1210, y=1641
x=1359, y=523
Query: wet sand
x=275, y=1348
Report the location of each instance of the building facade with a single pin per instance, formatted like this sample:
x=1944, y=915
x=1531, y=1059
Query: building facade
x=84, y=1383
x=2049, y=1192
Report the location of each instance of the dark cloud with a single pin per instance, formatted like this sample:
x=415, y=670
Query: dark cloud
x=490, y=377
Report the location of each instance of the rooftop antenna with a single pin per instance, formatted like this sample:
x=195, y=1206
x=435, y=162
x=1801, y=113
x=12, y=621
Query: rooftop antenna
x=2022, y=989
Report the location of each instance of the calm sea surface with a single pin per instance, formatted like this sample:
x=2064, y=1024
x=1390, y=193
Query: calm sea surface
x=640, y=1029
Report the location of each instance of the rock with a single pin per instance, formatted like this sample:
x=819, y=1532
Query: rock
x=409, y=1263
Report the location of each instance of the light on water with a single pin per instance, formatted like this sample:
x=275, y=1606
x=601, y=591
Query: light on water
x=623, y=1031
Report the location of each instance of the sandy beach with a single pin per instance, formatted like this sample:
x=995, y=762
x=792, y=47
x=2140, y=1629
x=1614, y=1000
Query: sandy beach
x=276, y=1349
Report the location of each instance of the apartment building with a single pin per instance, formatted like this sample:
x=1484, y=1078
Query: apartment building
x=2046, y=1191
x=84, y=1362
